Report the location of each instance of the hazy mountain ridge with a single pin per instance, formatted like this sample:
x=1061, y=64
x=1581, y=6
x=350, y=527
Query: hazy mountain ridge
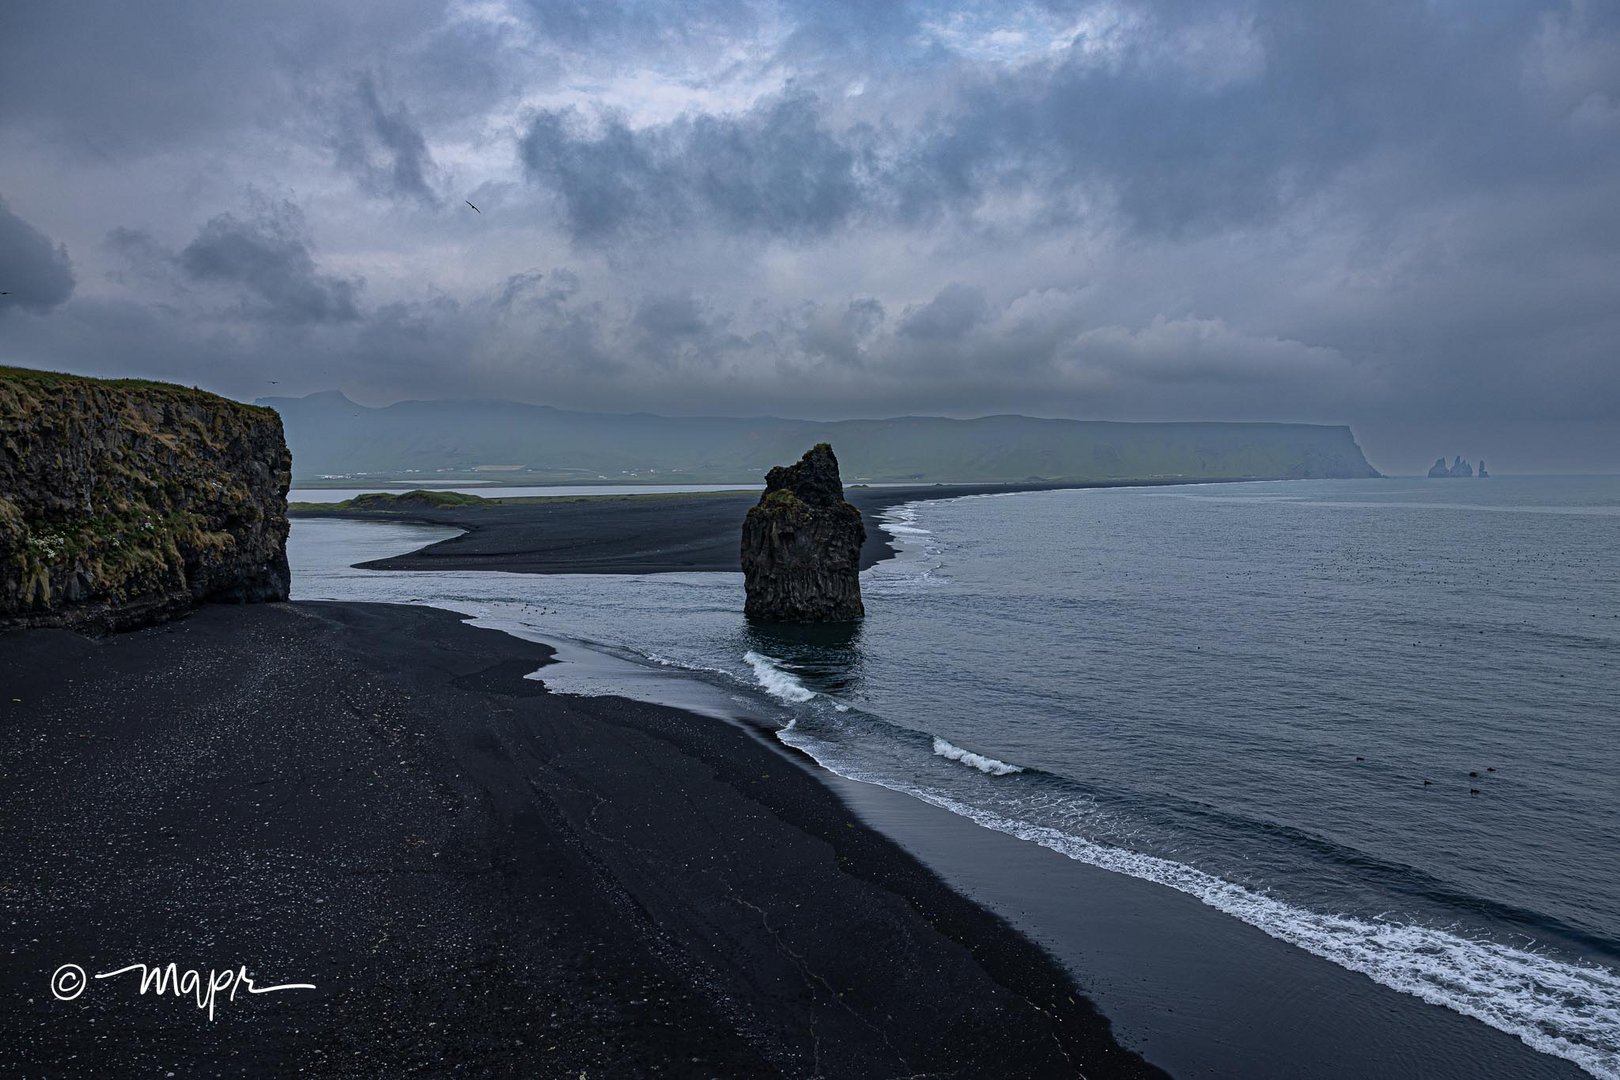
x=331, y=435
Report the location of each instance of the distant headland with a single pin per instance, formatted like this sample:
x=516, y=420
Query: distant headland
x=338, y=442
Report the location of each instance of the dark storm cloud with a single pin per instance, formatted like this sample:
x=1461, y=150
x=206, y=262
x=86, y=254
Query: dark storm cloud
x=773, y=169
x=116, y=79
x=948, y=316
x=842, y=334
x=35, y=274
x=681, y=333
x=383, y=147
x=266, y=259
x=516, y=287
x=678, y=316
x=1205, y=117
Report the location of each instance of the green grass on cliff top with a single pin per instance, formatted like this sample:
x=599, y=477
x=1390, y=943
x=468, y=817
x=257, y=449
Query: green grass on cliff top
x=33, y=377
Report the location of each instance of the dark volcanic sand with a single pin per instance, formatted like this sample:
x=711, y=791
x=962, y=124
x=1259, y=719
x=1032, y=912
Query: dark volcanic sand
x=481, y=878
x=635, y=534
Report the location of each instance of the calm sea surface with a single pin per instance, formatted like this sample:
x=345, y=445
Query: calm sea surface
x=1375, y=719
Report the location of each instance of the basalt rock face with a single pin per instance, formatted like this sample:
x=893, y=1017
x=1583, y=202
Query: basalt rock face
x=801, y=545
x=126, y=502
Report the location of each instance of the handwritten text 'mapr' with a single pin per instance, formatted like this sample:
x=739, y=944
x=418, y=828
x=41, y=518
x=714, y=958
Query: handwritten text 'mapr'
x=168, y=979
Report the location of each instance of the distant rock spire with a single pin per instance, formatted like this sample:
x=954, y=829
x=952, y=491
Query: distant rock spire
x=1458, y=467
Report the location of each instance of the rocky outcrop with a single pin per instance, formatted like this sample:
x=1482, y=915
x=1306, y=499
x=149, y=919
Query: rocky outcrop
x=125, y=502
x=801, y=545
x=1458, y=467
x=1483, y=475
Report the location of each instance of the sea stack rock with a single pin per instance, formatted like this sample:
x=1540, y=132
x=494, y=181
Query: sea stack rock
x=801, y=545
x=125, y=502
x=1458, y=467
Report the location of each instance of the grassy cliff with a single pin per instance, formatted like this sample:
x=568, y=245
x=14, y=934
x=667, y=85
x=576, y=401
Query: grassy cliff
x=123, y=501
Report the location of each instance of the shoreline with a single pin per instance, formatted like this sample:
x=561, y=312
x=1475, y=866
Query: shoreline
x=1197, y=992
x=651, y=533
x=1176, y=977
x=472, y=870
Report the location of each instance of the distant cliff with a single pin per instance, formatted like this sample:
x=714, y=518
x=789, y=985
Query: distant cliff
x=801, y=545
x=511, y=442
x=125, y=502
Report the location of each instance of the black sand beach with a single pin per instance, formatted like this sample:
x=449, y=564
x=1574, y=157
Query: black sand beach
x=635, y=534
x=480, y=878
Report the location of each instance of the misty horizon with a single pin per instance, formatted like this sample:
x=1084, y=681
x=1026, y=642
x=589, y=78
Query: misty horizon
x=1407, y=467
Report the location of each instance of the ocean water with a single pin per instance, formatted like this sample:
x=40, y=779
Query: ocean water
x=1374, y=719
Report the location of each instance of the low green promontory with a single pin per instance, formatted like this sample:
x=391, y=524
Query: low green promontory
x=125, y=501
x=403, y=500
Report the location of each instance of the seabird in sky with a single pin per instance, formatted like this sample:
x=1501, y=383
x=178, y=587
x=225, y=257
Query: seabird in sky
x=469, y=203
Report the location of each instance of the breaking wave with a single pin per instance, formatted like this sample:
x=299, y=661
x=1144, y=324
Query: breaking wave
x=776, y=680
x=978, y=761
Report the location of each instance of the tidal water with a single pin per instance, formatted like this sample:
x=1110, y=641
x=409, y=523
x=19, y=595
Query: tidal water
x=1375, y=720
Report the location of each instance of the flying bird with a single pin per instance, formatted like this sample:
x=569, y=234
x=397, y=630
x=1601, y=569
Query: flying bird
x=469, y=203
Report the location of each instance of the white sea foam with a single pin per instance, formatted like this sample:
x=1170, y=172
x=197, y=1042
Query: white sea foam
x=1567, y=1010
x=685, y=665
x=776, y=681
x=902, y=521
x=978, y=761
x=902, y=576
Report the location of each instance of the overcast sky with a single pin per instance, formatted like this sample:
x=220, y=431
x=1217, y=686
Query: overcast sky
x=1401, y=215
